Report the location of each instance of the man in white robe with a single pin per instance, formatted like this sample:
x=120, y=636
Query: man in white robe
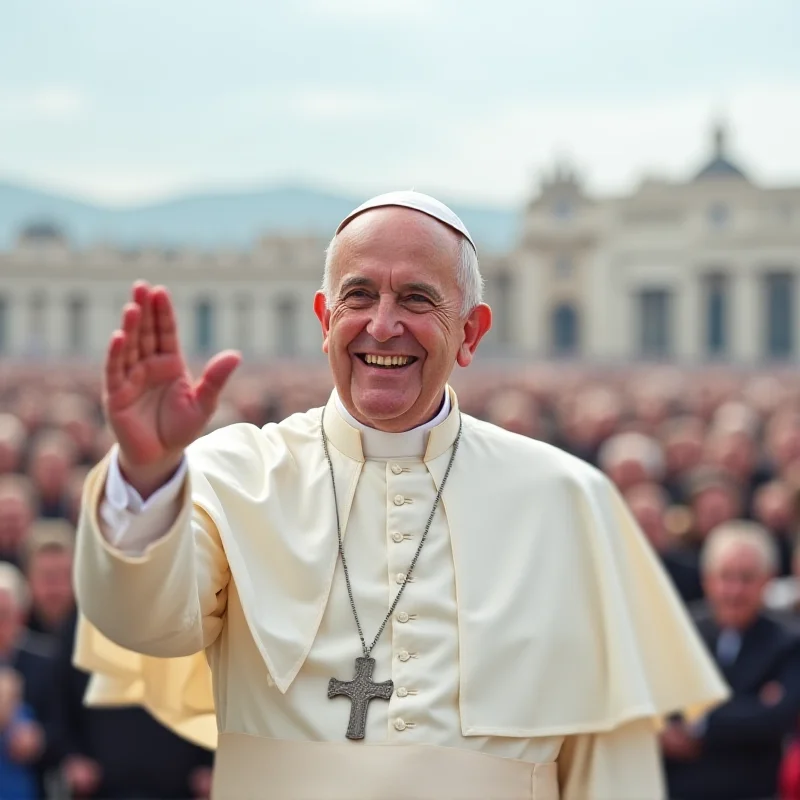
x=537, y=643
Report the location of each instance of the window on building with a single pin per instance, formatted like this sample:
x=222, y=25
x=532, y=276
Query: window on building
x=287, y=328
x=562, y=209
x=37, y=323
x=717, y=294
x=655, y=323
x=77, y=338
x=5, y=333
x=719, y=215
x=779, y=315
x=565, y=330
x=244, y=322
x=204, y=326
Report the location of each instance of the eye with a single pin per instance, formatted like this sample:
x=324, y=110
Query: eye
x=356, y=294
x=418, y=298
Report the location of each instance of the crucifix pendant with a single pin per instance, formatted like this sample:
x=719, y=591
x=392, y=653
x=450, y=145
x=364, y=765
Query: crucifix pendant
x=361, y=690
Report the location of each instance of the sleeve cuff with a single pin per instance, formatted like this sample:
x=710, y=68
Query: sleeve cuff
x=121, y=496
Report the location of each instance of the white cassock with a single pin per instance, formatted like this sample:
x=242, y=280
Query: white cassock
x=533, y=654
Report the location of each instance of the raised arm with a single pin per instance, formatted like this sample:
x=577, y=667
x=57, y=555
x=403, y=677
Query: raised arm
x=166, y=595
x=153, y=405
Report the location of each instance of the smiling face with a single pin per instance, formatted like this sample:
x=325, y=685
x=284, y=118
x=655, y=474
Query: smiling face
x=735, y=584
x=394, y=330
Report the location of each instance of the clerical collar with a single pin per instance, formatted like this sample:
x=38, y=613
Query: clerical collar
x=379, y=444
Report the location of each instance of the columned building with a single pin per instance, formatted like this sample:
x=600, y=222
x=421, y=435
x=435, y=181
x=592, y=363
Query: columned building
x=700, y=271
x=705, y=270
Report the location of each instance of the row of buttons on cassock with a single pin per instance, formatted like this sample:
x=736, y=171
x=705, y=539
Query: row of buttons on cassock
x=402, y=616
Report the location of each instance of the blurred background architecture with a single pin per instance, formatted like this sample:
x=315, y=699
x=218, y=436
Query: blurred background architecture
x=697, y=271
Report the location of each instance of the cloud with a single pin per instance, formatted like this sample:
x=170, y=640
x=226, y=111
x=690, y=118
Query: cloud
x=46, y=103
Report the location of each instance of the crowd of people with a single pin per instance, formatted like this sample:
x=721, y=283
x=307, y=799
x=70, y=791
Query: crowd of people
x=708, y=462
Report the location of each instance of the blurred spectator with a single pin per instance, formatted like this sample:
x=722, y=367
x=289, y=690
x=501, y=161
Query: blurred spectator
x=18, y=781
x=516, y=411
x=648, y=504
x=733, y=452
x=73, y=414
x=74, y=493
x=12, y=442
x=121, y=753
x=774, y=506
x=735, y=752
x=714, y=499
x=17, y=512
x=33, y=740
x=52, y=458
x=631, y=458
x=782, y=441
x=589, y=421
x=682, y=439
x=782, y=595
x=48, y=569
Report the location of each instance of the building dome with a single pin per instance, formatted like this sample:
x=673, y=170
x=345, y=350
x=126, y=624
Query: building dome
x=720, y=166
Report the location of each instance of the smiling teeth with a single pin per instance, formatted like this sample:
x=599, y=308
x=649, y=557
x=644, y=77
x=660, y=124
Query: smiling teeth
x=387, y=361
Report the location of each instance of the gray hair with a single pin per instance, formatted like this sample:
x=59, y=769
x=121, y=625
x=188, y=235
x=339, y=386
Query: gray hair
x=636, y=446
x=735, y=532
x=468, y=275
x=13, y=582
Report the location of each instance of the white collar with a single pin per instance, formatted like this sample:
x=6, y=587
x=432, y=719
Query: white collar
x=379, y=444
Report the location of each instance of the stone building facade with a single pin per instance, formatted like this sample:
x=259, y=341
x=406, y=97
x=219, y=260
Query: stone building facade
x=704, y=270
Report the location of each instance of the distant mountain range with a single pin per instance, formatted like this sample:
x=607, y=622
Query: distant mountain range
x=207, y=221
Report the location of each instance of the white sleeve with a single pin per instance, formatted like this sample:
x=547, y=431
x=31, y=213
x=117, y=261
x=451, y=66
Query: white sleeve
x=131, y=524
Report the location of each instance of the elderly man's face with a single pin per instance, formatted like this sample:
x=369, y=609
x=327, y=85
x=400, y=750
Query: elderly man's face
x=712, y=507
x=734, y=585
x=628, y=472
x=395, y=295
x=50, y=581
x=15, y=520
x=50, y=471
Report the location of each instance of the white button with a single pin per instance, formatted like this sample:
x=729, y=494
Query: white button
x=400, y=578
x=402, y=692
x=403, y=655
x=399, y=499
x=399, y=725
x=397, y=537
x=402, y=617
x=396, y=469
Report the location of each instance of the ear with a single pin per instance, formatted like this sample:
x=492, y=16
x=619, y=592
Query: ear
x=476, y=326
x=324, y=316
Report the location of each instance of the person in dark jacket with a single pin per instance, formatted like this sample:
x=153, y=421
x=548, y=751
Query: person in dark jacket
x=33, y=739
x=121, y=753
x=734, y=753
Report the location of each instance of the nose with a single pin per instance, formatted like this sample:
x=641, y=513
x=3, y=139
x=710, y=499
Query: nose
x=385, y=322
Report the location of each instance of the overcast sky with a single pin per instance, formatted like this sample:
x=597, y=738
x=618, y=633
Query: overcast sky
x=130, y=100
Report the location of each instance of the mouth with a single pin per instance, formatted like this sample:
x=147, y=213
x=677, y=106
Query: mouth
x=386, y=361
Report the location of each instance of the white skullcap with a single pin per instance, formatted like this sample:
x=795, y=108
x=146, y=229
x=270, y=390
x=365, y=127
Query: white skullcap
x=417, y=201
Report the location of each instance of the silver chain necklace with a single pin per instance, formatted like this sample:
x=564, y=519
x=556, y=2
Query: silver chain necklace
x=361, y=690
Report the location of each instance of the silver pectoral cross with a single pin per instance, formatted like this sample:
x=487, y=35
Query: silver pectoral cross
x=361, y=690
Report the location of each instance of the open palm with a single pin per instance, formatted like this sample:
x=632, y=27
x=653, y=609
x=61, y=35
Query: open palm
x=152, y=403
